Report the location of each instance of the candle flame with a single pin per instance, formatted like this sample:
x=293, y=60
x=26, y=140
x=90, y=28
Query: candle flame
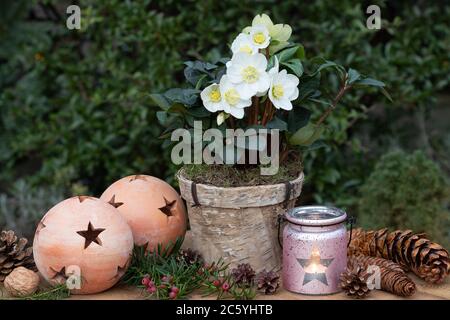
x=314, y=265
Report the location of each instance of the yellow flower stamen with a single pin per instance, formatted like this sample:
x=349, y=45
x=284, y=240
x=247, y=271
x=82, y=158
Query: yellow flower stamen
x=214, y=96
x=277, y=91
x=232, y=96
x=250, y=74
x=259, y=38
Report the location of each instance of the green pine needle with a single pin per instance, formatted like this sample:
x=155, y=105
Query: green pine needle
x=58, y=292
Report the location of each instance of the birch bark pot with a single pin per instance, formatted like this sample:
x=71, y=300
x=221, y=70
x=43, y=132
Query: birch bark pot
x=238, y=224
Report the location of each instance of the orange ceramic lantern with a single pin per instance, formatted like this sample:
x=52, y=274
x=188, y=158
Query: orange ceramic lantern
x=83, y=240
x=152, y=208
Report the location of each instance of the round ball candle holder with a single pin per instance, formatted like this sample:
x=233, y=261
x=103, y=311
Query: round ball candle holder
x=314, y=250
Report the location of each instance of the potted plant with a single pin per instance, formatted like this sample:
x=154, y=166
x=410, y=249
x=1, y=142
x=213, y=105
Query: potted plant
x=243, y=126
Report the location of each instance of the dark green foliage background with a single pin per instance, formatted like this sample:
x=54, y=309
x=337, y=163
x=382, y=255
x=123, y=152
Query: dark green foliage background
x=406, y=189
x=75, y=112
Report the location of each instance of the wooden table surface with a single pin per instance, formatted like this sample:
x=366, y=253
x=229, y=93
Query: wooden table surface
x=424, y=291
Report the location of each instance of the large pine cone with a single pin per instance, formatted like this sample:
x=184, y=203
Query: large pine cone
x=354, y=282
x=13, y=253
x=362, y=260
x=414, y=252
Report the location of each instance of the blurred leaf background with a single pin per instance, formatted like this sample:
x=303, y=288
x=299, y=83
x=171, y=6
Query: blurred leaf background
x=75, y=112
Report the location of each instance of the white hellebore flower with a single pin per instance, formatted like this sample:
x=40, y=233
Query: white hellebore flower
x=248, y=74
x=283, y=88
x=259, y=36
x=212, y=98
x=233, y=102
x=279, y=32
x=243, y=43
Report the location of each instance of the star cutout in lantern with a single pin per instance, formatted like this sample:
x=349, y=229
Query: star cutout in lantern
x=59, y=275
x=138, y=177
x=82, y=198
x=167, y=209
x=114, y=203
x=315, y=268
x=121, y=271
x=91, y=235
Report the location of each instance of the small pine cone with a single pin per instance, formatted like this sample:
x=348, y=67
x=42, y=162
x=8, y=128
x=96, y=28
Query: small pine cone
x=190, y=256
x=14, y=253
x=268, y=282
x=428, y=260
x=243, y=274
x=354, y=282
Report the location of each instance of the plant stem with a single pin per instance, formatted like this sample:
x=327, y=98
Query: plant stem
x=251, y=112
x=284, y=153
x=231, y=122
x=336, y=99
x=267, y=111
x=256, y=114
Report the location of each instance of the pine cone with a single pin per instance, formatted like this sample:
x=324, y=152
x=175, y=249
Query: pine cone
x=414, y=252
x=354, y=282
x=358, y=259
x=392, y=277
x=397, y=283
x=243, y=274
x=14, y=254
x=190, y=256
x=268, y=282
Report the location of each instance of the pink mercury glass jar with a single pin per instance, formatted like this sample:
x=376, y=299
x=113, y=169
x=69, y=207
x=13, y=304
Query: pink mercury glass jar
x=314, y=249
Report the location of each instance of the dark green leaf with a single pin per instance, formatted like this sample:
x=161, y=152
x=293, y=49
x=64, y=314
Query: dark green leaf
x=295, y=52
x=295, y=65
x=199, y=112
x=177, y=108
x=308, y=86
x=184, y=96
x=370, y=82
x=196, y=69
x=298, y=117
x=326, y=64
x=353, y=76
x=159, y=100
x=200, y=81
x=307, y=135
x=300, y=54
x=277, y=123
x=162, y=117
